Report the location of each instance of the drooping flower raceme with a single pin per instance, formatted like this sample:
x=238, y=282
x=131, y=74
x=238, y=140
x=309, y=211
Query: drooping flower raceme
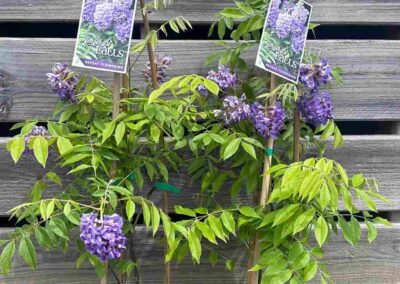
x=273, y=13
x=123, y=30
x=88, y=10
x=163, y=63
x=103, y=16
x=283, y=25
x=316, y=108
x=268, y=123
x=233, y=110
x=312, y=76
x=223, y=77
x=63, y=82
x=103, y=238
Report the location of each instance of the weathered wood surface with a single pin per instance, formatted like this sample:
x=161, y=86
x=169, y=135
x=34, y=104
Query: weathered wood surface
x=382, y=162
x=371, y=73
x=203, y=11
x=374, y=263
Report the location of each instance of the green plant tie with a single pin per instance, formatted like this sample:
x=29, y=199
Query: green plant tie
x=167, y=187
x=269, y=152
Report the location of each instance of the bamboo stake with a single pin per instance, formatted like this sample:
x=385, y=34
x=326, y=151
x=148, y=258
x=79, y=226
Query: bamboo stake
x=253, y=276
x=115, y=112
x=296, y=135
x=154, y=80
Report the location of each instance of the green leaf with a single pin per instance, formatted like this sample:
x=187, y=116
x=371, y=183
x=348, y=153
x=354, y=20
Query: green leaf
x=285, y=213
x=64, y=145
x=213, y=258
x=303, y=220
x=229, y=265
x=228, y=221
x=155, y=133
x=216, y=227
x=301, y=261
x=58, y=227
x=211, y=86
x=130, y=209
x=249, y=149
x=108, y=131
x=194, y=245
x=53, y=177
x=321, y=230
x=6, y=257
x=146, y=213
x=17, y=148
x=372, y=232
x=276, y=267
x=184, y=211
x=355, y=229
x=41, y=150
x=155, y=220
x=206, y=232
x=120, y=132
x=27, y=252
x=233, y=13
x=249, y=212
x=232, y=148
x=310, y=271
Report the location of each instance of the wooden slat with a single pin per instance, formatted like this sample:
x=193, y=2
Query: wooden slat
x=375, y=156
x=374, y=263
x=370, y=92
x=203, y=11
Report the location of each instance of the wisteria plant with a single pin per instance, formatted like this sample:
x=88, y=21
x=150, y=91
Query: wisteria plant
x=215, y=128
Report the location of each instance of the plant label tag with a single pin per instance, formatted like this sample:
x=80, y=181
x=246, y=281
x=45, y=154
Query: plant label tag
x=104, y=35
x=283, y=39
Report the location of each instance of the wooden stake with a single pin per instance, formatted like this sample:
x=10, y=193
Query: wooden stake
x=253, y=276
x=154, y=80
x=296, y=135
x=113, y=169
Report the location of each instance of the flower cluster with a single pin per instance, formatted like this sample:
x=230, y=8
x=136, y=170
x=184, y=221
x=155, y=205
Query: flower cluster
x=315, y=107
x=223, y=77
x=163, y=63
x=105, y=14
x=103, y=238
x=289, y=20
x=35, y=132
x=63, y=82
x=268, y=123
x=234, y=109
x=313, y=76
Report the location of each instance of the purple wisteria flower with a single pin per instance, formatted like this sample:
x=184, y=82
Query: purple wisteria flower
x=103, y=238
x=273, y=13
x=316, y=108
x=63, y=82
x=298, y=42
x=88, y=10
x=283, y=25
x=35, y=132
x=122, y=11
x=123, y=30
x=163, y=63
x=223, y=77
x=233, y=110
x=299, y=19
x=268, y=123
x=103, y=16
x=313, y=75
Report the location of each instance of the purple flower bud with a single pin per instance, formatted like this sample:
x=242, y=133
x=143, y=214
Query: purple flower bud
x=163, y=63
x=268, y=123
x=103, y=238
x=63, y=83
x=316, y=108
x=234, y=109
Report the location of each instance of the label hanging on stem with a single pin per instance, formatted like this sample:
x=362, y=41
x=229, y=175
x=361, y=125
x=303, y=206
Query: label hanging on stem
x=104, y=35
x=269, y=152
x=167, y=187
x=283, y=39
